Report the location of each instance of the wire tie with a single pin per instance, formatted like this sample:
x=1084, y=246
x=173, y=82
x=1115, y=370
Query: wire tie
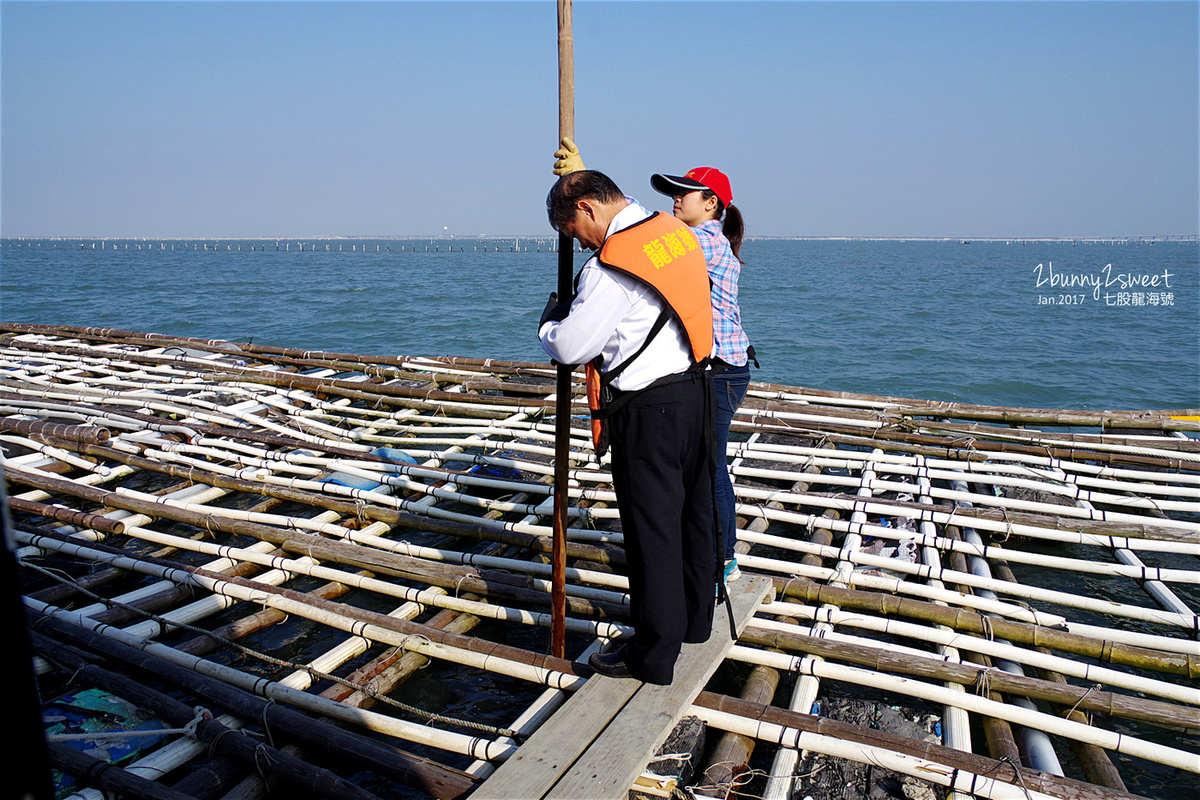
x=1081, y=699
x=1017, y=773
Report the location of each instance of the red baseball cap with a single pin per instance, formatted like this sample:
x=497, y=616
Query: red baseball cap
x=699, y=178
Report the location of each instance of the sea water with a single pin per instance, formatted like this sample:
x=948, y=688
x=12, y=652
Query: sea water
x=1053, y=324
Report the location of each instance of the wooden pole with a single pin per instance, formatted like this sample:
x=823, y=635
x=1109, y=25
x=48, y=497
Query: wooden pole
x=562, y=411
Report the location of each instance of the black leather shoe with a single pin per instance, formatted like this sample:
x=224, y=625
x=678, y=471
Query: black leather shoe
x=611, y=664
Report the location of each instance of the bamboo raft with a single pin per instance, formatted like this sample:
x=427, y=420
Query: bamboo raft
x=259, y=547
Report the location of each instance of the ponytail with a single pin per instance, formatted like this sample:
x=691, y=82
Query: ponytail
x=734, y=229
x=732, y=226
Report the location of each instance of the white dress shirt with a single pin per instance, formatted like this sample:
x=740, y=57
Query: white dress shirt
x=611, y=316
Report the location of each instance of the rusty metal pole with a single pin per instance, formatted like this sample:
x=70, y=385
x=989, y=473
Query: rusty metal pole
x=562, y=409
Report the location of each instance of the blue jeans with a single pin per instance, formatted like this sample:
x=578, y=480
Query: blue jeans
x=730, y=388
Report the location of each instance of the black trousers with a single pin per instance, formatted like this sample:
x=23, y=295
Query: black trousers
x=662, y=474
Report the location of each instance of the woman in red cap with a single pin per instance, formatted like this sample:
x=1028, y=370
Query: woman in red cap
x=704, y=201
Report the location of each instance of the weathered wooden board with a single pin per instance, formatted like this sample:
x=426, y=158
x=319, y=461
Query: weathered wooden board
x=597, y=744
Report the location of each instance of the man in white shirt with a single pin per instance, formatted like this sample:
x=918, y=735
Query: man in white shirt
x=659, y=416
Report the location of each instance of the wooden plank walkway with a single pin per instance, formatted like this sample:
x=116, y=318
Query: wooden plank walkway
x=596, y=745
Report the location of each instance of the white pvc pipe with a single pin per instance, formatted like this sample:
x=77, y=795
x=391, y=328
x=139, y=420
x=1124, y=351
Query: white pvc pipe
x=779, y=784
x=373, y=721
x=304, y=567
x=975, y=644
x=1029, y=718
x=953, y=779
x=1039, y=749
x=956, y=723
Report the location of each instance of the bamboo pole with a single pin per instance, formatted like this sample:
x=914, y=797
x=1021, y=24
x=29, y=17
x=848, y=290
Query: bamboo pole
x=955, y=779
x=1162, y=617
x=984, y=645
x=205, y=519
x=220, y=737
x=1027, y=717
x=351, y=509
x=1095, y=762
x=320, y=736
x=110, y=778
x=1028, y=779
x=1183, y=722
x=776, y=720
x=884, y=605
x=804, y=692
x=728, y=760
x=594, y=626
x=223, y=437
x=559, y=664
x=1072, y=492
x=879, y=657
x=900, y=439
x=1051, y=472
x=562, y=409
x=70, y=517
x=998, y=733
x=79, y=433
x=1153, y=419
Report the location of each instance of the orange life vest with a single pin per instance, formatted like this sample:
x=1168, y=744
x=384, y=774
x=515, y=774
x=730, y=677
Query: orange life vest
x=663, y=253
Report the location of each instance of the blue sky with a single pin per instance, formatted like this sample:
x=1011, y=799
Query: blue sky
x=242, y=119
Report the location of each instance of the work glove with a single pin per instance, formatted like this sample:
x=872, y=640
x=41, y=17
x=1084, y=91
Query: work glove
x=567, y=158
x=554, y=311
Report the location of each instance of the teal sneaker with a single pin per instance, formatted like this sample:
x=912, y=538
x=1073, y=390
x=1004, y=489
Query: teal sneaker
x=732, y=573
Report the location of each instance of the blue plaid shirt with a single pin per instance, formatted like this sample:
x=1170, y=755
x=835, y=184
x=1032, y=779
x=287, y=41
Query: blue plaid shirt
x=730, y=341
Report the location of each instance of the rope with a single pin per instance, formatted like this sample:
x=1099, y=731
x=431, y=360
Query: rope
x=188, y=730
x=105, y=735
x=985, y=623
x=212, y=746
x=736, y=786
x=365, y=689
x=265, y=725
x=983, y=681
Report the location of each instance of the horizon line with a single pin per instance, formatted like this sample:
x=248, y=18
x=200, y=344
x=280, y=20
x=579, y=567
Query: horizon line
x=1182, y=237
